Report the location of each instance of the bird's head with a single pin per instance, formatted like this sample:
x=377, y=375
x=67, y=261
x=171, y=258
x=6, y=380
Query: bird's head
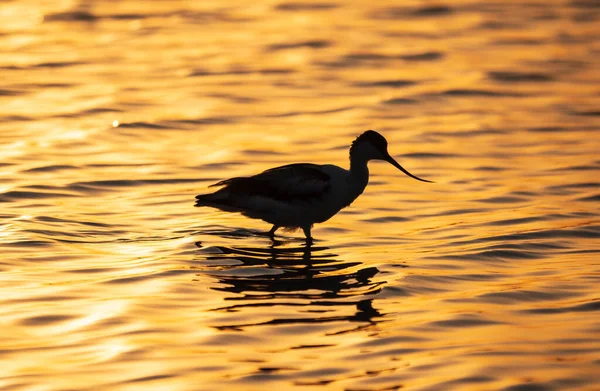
x=373, y=146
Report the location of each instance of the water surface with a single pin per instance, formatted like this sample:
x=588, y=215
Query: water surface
x=114, y=115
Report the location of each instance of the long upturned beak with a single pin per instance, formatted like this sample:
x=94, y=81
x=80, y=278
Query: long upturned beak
x=399, y=167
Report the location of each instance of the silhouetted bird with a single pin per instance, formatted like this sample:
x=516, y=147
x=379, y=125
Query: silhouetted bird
x=302, y=194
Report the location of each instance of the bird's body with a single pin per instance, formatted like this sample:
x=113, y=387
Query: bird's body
x=302, y=194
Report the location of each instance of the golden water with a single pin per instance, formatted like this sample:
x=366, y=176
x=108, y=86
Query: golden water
x=115, y=114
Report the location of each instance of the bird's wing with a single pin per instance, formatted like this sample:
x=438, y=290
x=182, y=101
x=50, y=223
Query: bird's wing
x=285, y=183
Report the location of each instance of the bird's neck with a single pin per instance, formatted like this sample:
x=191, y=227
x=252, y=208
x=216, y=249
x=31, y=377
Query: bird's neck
x=359, y=173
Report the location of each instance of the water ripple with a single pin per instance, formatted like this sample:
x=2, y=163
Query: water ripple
x=518, y=77
x=314, y=44
x=293, y=6
x=51, y=168
x=585, y=307
x=16, y=195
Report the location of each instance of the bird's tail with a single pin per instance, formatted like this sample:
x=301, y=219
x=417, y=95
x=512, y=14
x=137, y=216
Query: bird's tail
x=207, y=199
x=216, y=200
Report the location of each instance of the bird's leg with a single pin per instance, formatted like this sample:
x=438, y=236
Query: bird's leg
x=309, y=238
x=271, y=233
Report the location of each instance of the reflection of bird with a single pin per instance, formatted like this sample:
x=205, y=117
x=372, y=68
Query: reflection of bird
x=308, y=284
x=307, y=272
x=300, y=195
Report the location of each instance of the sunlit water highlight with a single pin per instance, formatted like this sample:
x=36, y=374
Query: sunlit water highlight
x=114, y=115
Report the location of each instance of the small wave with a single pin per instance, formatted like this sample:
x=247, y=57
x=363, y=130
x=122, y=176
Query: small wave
x=432, y=10
x=522, y=220
x=314, y=44
x=479, y=93
x=237, y=98
x=145, y=277
x=489, y=169
x=561, y=129
x=463, y=321
x=366, y=56
x=6, y=92
x=426, y=56
x=588, y=167
x=143, y=125
x=48, y=85
x=401, y=101
x=587, y=232
x=146, y=379
x=50, y=219
x=219, y=165
x=58, y=64
x=386, y=219
x=467, y=133
x=85, y=16
x=409, y=12
x=427, y=155
x=370, y=58
x=292, y=6
x=530, y=386
x=261, y=152
x=591, y=306
x=15, y=118
x=594, y=198
x=52, y=233
x=587, y=113
x=203, y=121
x=45, y=320
x=51, y=168
x=502, y=255
x=503, y=200
x=586, y=4
x=72, y=16
x=28, y=243
x=386, y=83
x=102, y=110
x=521, y=296
x=132, y=182
x=316, y=112
x=237, y=72
x=497, y=25
x=457, y=212
x=519, y=77
x=28, y=195
x=519, y=42
x=462, y=381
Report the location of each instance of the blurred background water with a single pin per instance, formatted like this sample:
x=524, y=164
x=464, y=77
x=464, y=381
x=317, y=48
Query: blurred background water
x=115, y=114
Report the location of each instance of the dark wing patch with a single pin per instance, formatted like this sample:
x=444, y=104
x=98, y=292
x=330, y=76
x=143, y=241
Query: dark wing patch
x=285, y=183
